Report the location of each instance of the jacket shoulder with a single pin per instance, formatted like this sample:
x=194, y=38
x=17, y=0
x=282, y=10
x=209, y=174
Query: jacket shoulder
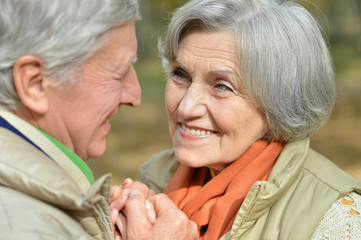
x=158, y=170
x=330, y=174
x=316, y=187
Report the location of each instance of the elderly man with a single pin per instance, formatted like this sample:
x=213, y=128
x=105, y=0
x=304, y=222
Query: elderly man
x=66, y=66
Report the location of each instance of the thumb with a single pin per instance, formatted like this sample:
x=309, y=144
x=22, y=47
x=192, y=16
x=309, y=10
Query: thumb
x=150, y=211
x=135, y=210
x=163, y=204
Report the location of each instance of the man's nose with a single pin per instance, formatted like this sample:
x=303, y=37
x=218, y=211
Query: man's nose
x=132, y=93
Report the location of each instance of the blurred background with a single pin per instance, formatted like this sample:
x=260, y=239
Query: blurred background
x=138, y=133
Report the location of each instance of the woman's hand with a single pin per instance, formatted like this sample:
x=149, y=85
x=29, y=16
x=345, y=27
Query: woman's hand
x=118, y=196
x=117, y=199
x=129, y=184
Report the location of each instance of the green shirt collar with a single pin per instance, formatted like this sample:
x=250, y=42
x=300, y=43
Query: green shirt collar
x=72, y=156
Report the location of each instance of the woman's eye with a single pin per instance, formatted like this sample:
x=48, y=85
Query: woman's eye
x=178, y=74
x=223, y=87
x=180, y=77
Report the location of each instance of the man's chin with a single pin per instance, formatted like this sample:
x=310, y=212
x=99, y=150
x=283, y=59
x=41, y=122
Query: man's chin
x=96, y=152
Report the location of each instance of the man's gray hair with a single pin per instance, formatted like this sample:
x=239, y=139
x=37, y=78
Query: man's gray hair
x=63, y=33
x=284, y=61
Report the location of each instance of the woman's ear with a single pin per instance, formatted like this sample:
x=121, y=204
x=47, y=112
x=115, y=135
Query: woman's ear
x=31, y=83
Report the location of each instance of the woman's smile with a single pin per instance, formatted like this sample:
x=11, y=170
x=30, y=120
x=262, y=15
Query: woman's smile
x=194, y=132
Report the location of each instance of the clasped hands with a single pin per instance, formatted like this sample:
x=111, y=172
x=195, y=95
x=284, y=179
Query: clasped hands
x=139, y=214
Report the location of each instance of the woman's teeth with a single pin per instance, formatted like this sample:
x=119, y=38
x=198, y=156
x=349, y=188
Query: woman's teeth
x=195, y=131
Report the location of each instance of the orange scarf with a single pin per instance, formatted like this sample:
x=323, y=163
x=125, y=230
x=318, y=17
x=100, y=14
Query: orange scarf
x=213, y=205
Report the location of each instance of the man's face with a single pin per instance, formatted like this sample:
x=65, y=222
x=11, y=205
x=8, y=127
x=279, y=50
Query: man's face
x=79, y=115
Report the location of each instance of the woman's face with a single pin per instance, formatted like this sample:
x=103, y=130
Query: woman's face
x=211, y=120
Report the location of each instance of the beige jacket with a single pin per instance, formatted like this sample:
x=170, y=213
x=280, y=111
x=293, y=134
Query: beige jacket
x=289, y=205
x=45, y=196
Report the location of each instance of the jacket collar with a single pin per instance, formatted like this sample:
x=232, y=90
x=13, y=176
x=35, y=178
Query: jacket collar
x=36, y=138
x=265, y=193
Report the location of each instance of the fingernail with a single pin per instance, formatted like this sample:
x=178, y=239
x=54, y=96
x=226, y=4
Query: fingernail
x=148, y=205
x=117, y=191
x=150, y=212
x=126, y=181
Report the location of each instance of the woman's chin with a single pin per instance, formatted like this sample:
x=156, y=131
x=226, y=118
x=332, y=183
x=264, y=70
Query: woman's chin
x=190, y=160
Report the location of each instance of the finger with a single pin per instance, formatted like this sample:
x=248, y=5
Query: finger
x=166, y=209
x=150, y=212
x=119, y=203
x=114, y=215
x=151, y=193
x=142, y=187
x=115, y=193
x=135, y=210
x=122, y=226
x=163, y=204
x=117, y=236
x=128, y=183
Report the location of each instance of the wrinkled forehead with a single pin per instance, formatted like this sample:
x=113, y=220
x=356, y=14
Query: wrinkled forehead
x=208, y=43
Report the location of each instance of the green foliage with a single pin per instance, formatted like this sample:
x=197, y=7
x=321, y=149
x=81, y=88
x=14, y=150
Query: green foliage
x=168, y=5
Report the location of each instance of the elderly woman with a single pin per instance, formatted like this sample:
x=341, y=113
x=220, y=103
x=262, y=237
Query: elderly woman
x=249, y=81
x=65, y=68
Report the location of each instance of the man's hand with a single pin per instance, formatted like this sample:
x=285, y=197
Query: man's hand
x=168, y=222
x=118, y=195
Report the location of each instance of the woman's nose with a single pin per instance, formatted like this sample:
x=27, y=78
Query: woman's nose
x=193, y=104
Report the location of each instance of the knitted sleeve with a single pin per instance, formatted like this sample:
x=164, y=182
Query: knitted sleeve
x=342, y=220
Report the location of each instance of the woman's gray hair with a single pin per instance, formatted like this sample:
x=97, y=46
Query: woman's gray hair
x=285, y=64
x=63, y=33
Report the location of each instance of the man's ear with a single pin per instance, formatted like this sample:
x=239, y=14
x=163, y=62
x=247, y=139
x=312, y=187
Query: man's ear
x=31, y=83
